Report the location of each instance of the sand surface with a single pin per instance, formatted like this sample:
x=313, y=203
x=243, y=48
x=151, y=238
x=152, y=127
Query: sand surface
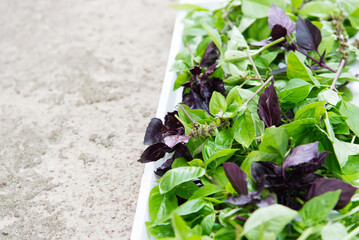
x=79, y=82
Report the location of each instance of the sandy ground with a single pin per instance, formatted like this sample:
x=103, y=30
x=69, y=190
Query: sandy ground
x=79, y=82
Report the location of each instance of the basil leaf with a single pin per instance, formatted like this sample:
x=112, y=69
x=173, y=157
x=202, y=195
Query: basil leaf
x=217, y=105
x=352, y=112
x=297, y=69
x=182, y=230
x=186, y=190
x=206, y=190
x=308, y=35
x=296, y=90
x=208, y=222
x=161, y=205
x=334, y=231
x=313, y=110
x=268, y=221
x=275, y=140
x=318, y=208
x=161, y=230
x=213, y=34
x=176, y=176
x=320, y=9
x=330, y=96
x=244, y=129
x=194, y=206
x=260, y=8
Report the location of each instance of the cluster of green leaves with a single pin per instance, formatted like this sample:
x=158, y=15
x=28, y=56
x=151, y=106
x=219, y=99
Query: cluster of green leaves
x=190, y=201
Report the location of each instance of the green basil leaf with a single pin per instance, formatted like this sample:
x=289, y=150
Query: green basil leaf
x=182, y=230
x=222, y=141
x=244, y=129
x=275, y=140
x=318, y=208
x=296, y=3
x=181, y=79
x=161, y=205
x=313, y=110
x=334, y=231
x=260, y=8
x=329, y=96
x=268, y=221
x=161, y=230
x=343, y=150
x=217, y=104
x=354, y=18
x=206, y=190
x=194, y=206
x=180, y=162
x=297, y=69
x=352, y=112
x=208, y=222
x=220, y=176
x=236, y=40
x=220, y=157
x=213, y=34
x=186, y=190
x=320, y=9
x=176, y=176
x=225, y=234
x=296, y=90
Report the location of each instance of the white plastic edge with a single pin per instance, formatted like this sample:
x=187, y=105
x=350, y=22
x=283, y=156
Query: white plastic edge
x=168, y=101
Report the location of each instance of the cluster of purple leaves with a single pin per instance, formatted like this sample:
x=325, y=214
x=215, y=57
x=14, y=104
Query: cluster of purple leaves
x=169, y=137
x=165, y=138
x=296, y=178
x=238, y=178
x=308, y=36
x=199, y=89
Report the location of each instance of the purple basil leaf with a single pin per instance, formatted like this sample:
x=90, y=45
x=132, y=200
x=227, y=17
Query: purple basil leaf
x=216, y=84
x=167, y=165
x=173, y=140
x=323, y=185
x=210, y=70
x=237, y=177
x=304, y=154
x=201, y=88
x=154, y=152
x=278, y=31
x=269, y=200
x=180, y=150
x=308, y=35
x=210, y=56
x=278, y=71
x=261, y=169
x=268, y=107
x=195, y=71
x=154, y=132
x=195, y=101
x=172, y=123
x=277, y=16
x=239, y=200
x=260, y=43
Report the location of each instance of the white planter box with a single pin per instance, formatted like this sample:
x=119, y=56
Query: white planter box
x=167, y=103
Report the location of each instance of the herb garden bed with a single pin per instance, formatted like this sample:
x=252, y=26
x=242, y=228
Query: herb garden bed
x=255, y=161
